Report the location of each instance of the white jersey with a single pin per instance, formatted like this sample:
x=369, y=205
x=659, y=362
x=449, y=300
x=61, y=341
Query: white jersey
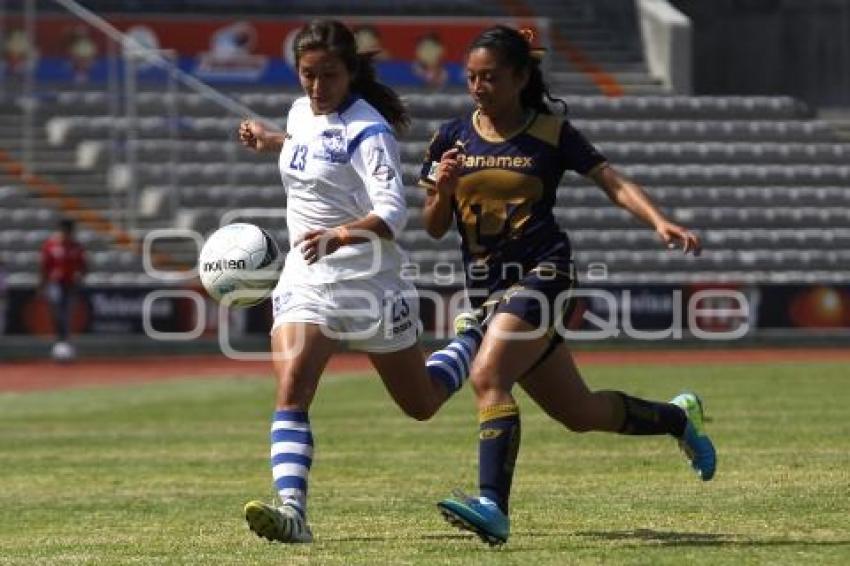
x=338, y=168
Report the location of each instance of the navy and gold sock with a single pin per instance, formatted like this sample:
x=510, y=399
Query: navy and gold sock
x=498, y=446
x=641, y=417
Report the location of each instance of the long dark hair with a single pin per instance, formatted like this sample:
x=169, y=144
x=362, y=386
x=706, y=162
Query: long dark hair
x=514, y=50
x=334, y=37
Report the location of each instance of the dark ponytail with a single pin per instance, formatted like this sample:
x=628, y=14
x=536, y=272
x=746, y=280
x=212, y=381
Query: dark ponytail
x=337, y=39
x=513, y=49
x=383, y=98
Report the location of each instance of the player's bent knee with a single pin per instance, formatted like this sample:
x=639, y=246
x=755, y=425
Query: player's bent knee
x=482, y=385
x=421, y=415
x=490, y=393
x=420, y=412
x=578, y=425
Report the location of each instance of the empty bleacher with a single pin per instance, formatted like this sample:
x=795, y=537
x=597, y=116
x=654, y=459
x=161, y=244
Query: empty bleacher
x=765, y=183
x=767, y=186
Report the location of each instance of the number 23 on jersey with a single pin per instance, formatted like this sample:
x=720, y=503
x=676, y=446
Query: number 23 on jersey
x=299, y=157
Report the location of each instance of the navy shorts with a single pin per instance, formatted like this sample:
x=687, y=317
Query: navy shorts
x=541, y=298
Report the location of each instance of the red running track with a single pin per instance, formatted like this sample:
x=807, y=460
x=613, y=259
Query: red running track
x=43, y=375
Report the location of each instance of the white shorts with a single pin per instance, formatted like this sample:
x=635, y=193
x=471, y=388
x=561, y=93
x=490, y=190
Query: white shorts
x=379, y=314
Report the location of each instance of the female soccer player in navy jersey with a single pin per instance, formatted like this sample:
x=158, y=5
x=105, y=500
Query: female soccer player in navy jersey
x=339, y=162
x=496, y=172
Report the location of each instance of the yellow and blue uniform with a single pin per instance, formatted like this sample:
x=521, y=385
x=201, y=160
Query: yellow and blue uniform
x=518, y=261
x=503, y=206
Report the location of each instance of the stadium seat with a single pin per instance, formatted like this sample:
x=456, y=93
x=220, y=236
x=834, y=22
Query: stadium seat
x=753, y=175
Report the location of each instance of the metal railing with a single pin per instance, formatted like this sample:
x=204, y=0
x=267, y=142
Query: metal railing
x=128, y=61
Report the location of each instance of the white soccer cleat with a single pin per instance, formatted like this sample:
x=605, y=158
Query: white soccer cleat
x=467, y=322
x=282, y=524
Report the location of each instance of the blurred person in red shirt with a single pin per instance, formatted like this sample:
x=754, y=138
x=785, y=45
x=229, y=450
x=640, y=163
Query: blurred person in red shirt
x=63, y=264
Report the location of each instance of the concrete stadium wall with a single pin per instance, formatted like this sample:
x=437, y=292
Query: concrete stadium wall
x=794, y=47
x=667, y=41
x=619, y=16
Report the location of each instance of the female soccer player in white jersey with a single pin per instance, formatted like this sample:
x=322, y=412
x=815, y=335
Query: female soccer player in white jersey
x=340, y=166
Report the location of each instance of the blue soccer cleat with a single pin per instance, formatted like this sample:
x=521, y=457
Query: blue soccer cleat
x=695, y=442
x=479, y=515
x=282, y=524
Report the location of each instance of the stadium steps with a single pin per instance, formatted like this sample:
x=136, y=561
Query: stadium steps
x=11, y=132
x=35, y=204
x=628, y=78
x=735, y=168
x=43, y=154
x=711, y=196
x=658, y=259
x=87, y=104
x=580, y=32
x=83, y=193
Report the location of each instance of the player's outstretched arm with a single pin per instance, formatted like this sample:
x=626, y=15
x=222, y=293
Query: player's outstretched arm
x=628, y=194
x=254, y=135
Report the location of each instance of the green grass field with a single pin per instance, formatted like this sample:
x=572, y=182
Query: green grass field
x=158, y=474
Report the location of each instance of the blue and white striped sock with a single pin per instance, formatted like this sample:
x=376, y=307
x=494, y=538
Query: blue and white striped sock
x=451, y=365
x=291, y=455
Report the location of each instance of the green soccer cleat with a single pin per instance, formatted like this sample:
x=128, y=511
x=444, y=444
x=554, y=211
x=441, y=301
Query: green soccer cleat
x=695, y=442
x=479, y=515
x=283, y=524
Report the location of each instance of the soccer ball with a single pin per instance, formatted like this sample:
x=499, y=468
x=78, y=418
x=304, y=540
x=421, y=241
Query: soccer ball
x=239, y=264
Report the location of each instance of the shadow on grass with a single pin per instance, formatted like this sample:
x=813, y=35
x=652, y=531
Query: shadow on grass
x=387, y=538
x=673, y=538
x=649, y=536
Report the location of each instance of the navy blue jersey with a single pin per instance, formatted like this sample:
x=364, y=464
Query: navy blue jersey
x=506, y=191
